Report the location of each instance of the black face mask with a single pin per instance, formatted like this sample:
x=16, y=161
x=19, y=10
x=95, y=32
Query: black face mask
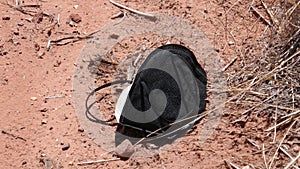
x=163, y=101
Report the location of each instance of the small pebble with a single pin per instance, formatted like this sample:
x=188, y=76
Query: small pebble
x=5, y=81
x=81, y=130
x=16, y=32
x=40, y=55
x=44, y=110
x=33, y=98
x=57, y=64
x=24, y=162
x=37, y=47
x=125, y=149
x=6, y=18
x=75, y=18
x=21, y=24
x=65, y=147
x=3, y=53
x=44, y=122
x=71, y=23
x=230, y=43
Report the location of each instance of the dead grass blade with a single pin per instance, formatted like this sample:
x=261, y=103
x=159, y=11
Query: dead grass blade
x=98, y=161
x=283, y=138
x=292, y=162
x=131, y=10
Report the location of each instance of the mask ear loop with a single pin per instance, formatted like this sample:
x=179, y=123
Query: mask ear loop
x=88, y=114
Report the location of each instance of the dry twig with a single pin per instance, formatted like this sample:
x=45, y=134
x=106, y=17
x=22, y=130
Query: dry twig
x=231, y=165
x=261, y=16
x=274, y=20
x=72, y=39
x=280, y=124
x=20, y=9
x=131, y=10
x=278, y=68
x=31, y=6
x=14, y=136
x=117, y=15
x=264, y=156
x=253, y=143
x=229, y=64
x=98, y=161
x=24, y=11
x=292, y=162
x=283, y=138
x=286, y=153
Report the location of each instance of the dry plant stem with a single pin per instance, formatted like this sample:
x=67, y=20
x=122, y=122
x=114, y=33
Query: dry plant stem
x=231, y=165
x=292, y=9
x=293, y=96
x=18, y=9
x=233, y=6
x=261, y=16
x=248, y=88
x=264, y=156
x=198, y=116
x=292, y=162
x=14, y=136
x=180, y=128
x=74, y=39
x=24, y=11
x=279, y=124
x=283, y=138
x=117, y=15
x=296, y=113
x=280, y=107
x=31, y=6
x=58, y=19
x=246, y=91
x=70, y=37
x=253, y=143
x=124, y=16
x=130, y=9
x=48, y=45
x=275, y=129
x=276, y=68
x=245, y=112
x=226, y=162
x=98, y=161
x=55, y=97
x=229, y=64
x=274, y=20
x=286, y=153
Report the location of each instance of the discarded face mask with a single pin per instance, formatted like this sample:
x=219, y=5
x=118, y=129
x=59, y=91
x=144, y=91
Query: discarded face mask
x=164, y=100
